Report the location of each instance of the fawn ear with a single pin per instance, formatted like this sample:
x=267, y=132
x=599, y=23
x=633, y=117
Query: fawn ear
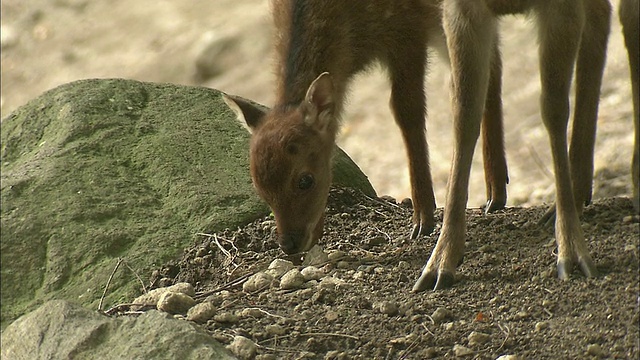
x=249, y=115
x=319, y=104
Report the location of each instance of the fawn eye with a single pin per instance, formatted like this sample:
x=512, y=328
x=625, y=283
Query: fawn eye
x=306, y=182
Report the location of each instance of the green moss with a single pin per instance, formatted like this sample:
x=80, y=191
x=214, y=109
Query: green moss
x=96, y=170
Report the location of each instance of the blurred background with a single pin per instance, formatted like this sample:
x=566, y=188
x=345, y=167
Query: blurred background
x=226, y=44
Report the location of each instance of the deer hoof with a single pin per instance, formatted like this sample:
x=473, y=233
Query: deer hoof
x=434, y=280
x=587, y=266
x=494, y=205
x=549, y=218
x=420, y=229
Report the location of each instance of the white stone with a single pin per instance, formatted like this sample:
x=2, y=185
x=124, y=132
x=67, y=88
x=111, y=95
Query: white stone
x=257, y=281
x=175, y=303
x=312, y=273
x=292, y=279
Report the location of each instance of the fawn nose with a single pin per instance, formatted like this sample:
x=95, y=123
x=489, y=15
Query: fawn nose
x=290, y=242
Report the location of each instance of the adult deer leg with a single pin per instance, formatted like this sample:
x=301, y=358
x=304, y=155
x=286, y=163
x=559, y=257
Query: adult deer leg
x=495, y=162
x=470, y=29
x=407, y=68
x=560, y=27
x=628, y=13
x=589, y=68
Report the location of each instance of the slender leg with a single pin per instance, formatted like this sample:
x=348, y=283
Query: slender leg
x=590, y=66
x=495, y=162
x=560, y=26
x=589, y=69
x=470, y=29
x=631, y=30
x=407, y=67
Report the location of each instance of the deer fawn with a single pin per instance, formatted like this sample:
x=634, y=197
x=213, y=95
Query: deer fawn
x=320, y=46
x=629, y=13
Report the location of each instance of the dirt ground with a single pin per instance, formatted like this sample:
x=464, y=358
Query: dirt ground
x=47, y=43
x=506, y=299
x=506, y=287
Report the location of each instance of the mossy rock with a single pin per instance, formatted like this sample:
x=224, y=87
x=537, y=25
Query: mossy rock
x=97, y=170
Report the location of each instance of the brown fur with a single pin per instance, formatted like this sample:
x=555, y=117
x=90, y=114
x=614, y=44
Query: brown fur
x=343, y=38
x=292, y=143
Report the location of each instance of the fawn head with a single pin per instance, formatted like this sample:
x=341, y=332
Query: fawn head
x=290, y=160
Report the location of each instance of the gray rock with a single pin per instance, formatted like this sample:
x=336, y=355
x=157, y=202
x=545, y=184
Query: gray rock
x=61, y=330
x=95, y=170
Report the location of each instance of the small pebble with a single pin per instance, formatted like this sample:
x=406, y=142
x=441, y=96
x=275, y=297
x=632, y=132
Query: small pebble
x=440, y=315
x=291, y=280
x=509, y=357
x=541, y=325
x=387, y=307
x=521, y=315
x=429, y=353
x=257, y=281
x=595, y=350
x=152, y=297
x=330, y=283
x=461, y=351
x=201, y=313
x=630, y=219
x=175, y=303
x=266, y=357
x=278, y=267
x=275, y=330
x=252, y=312
x=477, y=338
x=331, y=315
x=315, y=256
x=358, y=275
x=342, y=264
x=336, y=255
x=243, y=348
x=226, y=317
x=312, y=273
